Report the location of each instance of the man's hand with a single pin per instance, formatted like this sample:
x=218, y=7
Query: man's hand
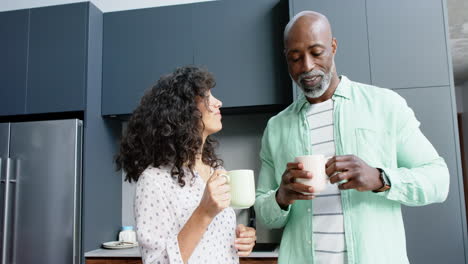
x=289, y=189
x=358, y=174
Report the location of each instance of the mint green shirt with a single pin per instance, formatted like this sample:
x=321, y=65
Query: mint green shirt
x=376, y=125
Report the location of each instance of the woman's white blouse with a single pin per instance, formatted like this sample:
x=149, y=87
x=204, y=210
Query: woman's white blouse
x=162, y=208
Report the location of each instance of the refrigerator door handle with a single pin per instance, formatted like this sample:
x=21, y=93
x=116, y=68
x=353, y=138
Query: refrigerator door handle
x=13, y=178
x=2, y=180
x=6, y=216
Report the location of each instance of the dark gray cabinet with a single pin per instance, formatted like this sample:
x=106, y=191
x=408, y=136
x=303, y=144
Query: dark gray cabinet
x=57, y=59
x=435, y=233
x=43, y=59
x=240, y=41
x=407, y=43
x=348, y=21
x=139, y=47
x=13, y=61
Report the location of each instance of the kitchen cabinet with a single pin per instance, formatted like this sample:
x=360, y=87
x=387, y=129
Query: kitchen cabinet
x=445, y=227
x=407, y=43
x=349, y=27
x=43, y=59
x=392, y=44
x=138, y=47
x=241, y=43
x=138, y=261
x=13, y=58
x=57, y=59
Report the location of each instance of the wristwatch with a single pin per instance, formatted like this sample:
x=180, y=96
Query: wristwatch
x=385, y=181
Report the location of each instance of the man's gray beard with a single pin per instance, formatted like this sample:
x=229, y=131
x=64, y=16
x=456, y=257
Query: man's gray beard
x=319, y=89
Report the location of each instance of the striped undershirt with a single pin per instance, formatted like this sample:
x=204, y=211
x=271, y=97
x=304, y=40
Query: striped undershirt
x=327, y=220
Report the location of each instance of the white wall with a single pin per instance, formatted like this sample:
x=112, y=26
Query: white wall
x=104, y=5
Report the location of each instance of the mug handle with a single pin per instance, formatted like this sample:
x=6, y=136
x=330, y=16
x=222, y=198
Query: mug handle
x=228, y=179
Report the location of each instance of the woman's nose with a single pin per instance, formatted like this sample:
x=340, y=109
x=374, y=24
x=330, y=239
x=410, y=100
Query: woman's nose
x=217, y=103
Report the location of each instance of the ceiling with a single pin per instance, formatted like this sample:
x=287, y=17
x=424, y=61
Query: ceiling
x=458, y=26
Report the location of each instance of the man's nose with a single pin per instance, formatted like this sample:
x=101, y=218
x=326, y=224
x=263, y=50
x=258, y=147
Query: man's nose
x=308, y=64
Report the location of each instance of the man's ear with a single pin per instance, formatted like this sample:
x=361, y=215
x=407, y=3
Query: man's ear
x=334, y=45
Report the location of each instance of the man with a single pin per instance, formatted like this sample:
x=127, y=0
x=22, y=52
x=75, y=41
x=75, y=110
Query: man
x=380, y=160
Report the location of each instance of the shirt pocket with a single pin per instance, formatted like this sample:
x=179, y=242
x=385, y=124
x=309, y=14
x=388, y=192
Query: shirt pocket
x=375, y=147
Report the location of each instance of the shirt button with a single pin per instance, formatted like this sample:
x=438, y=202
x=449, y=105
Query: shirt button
x=308, y=210
x=310, y=242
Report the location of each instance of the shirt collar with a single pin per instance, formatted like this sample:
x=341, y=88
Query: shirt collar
x=343, y=90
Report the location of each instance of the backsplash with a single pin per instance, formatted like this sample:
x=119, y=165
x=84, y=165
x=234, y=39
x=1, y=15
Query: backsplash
x=240, y=142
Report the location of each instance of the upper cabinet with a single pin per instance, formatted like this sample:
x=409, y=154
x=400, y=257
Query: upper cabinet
x=13, y=60
x=349, y=27
x=407, y=43
x=392, y=44
x=138, y=47
x=239, y=41
x=43, y=59
x=57, y=59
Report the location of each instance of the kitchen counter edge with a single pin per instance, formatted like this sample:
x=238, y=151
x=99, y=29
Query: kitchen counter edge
x=135, y=253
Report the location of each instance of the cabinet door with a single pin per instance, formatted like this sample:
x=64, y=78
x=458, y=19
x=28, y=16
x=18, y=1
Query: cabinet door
x=240, y=42
x=349, y=27
x=435, y=232
x=407, y=43
x=57, y=59
x=138, y=47
x=13, y=56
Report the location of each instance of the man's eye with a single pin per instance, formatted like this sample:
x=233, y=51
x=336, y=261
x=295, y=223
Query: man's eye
x=294, y=59
x=316, y=54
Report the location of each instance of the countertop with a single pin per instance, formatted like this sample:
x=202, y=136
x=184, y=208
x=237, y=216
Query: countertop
x=135, y=253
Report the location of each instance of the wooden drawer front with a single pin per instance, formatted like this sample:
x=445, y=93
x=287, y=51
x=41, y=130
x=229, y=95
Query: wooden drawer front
x=113, y=261
x=258, y=260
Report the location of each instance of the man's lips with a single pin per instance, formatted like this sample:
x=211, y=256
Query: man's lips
x=312, y=80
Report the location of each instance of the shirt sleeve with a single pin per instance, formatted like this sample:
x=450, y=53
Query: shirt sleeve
x=155, y=226
x=422, y=176
x=266, y=208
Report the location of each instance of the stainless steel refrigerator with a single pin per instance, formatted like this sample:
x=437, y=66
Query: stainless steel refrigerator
x=40, y=192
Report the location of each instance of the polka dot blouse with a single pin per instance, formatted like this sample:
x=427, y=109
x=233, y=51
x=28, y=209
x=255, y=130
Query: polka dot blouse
x=162, y=208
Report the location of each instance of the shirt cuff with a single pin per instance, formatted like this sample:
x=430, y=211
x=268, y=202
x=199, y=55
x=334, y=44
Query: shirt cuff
x=274, y=206
x=394, y=179
x=269, y=212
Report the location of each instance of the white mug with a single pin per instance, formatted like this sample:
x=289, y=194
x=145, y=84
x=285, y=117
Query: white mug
x=314, y=164
x=242, y=185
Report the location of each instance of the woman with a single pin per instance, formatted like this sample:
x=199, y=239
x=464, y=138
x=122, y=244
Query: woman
x=182, y=202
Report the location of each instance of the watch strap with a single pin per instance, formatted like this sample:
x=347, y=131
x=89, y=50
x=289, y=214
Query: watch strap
x=386, y=184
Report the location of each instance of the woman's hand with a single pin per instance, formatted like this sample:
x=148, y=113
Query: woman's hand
x=245, y=240
x=217, y=195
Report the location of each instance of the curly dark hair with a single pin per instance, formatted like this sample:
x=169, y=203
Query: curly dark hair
x=166, y=128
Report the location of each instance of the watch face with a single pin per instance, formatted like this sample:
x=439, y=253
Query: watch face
x=384, y=178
